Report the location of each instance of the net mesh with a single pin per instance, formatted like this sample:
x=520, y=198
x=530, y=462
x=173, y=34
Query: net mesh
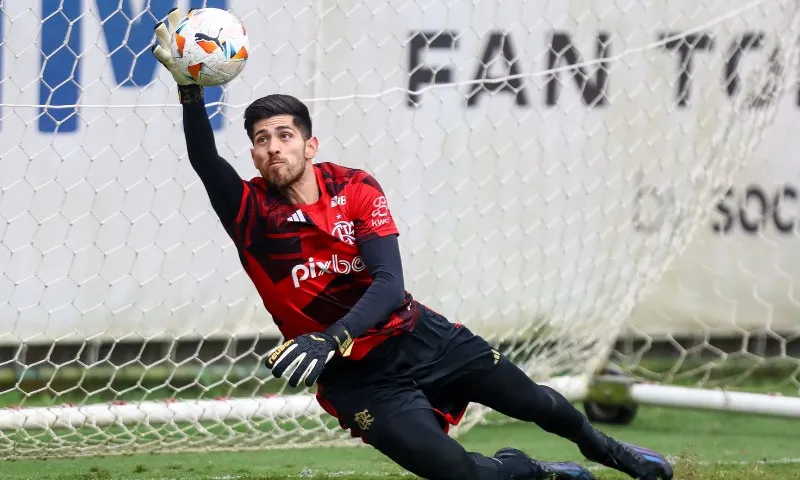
x=521, y=146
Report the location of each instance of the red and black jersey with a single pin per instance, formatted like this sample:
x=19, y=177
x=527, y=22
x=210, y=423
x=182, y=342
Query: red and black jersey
x=304, y=259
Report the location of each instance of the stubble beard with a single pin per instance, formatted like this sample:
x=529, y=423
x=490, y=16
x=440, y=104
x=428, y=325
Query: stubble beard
x=286, y=175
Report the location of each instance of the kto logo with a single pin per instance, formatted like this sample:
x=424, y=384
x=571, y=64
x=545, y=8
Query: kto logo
x=314, y=268
x=338, y=200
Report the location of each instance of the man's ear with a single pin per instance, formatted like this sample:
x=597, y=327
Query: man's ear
x=312, y=144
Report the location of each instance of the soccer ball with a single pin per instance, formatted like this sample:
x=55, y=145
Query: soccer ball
x=210, y=46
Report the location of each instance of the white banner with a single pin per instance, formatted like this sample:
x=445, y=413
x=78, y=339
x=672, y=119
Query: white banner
x=516, y=199
x=740, y=274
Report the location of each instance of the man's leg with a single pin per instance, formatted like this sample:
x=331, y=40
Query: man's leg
x=415, y=440
x=389, y=412
x=395, y=417
x=506, y=389
x=409, y=417
x=469, y=370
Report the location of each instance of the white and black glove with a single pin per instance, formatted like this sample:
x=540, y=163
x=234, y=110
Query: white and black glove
x=302, y=359
x=162, y=50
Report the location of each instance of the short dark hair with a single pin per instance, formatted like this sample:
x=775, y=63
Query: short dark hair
x=274, y=105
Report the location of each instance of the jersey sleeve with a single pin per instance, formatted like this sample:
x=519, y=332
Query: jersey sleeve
x=369, y=209
x=245, y=223
x=223, y=184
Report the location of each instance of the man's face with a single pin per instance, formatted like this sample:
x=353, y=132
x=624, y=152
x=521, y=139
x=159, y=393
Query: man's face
x=280, y=153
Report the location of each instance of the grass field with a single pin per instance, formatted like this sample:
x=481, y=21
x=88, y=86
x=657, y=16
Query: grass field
x=704, y=445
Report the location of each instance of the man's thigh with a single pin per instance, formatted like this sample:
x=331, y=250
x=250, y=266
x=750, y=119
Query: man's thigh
x=462, y=359
x=413, y=438
x=431, y=369
x=366, y=407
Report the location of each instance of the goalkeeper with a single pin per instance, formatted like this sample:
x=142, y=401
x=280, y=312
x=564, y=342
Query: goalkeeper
x=320, y=245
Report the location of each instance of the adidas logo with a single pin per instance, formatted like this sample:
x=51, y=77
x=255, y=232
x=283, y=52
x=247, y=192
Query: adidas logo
x=297, y=217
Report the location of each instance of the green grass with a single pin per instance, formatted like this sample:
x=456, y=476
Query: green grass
x=706, y=446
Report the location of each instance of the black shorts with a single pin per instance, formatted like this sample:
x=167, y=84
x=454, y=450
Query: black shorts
x=434, y=367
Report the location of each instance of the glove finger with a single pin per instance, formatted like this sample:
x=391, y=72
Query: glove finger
x=287, y=363
x=274, y=355
x=315, y=372
x=161, y=55
x=295, y=370
x=162, y=35
x=174, y=17
x=303, y=371
x=284, y=357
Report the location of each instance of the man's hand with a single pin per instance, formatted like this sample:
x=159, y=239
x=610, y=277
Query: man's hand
x=302, y=359
x=162, y=50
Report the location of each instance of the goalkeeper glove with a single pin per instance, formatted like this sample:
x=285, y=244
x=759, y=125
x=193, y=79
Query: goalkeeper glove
x=303, y=358
x=162, y=50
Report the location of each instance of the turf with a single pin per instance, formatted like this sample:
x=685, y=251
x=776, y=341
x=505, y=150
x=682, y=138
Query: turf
x=704, y=445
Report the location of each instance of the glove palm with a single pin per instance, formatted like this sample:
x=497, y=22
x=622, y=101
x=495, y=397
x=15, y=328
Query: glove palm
x=162, y=50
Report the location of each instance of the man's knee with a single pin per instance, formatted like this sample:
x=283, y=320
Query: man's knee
x=456, y=463
x=417, y=442
x=447, y=465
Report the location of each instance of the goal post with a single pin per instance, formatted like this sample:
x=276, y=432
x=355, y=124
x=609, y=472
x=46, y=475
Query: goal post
x=553, y=168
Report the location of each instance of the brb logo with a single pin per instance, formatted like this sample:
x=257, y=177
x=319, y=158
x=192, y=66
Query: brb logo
x=314, y=268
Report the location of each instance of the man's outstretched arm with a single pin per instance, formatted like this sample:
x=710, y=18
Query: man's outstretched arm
x=222, y=182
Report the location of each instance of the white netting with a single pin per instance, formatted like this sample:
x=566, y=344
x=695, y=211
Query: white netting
x=518, y=144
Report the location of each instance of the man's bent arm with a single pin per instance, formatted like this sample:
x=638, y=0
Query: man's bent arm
x=382, y=258
x=222, y=182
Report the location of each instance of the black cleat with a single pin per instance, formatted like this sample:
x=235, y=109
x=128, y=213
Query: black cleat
x=638, y=462
x=517, y=465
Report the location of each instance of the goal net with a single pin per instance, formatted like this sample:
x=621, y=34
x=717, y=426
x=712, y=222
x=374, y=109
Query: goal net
x=545, y=163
